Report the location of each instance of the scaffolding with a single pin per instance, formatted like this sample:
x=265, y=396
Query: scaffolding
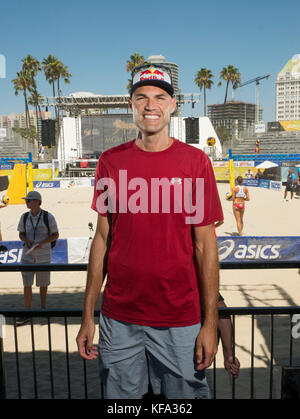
x=76, y=104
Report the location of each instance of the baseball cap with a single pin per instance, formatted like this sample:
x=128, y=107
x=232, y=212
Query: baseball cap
x=153, y=75
x=33, y=195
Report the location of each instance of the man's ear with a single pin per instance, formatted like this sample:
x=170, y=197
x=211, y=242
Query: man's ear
x=173, y=104
x=130, y=103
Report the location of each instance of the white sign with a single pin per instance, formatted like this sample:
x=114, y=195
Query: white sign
x=275, y=186
x=71, y=183
x=3, y=132
x=260, y=128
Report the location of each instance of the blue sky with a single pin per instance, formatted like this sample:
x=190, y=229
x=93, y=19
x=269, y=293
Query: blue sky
x=95, y=38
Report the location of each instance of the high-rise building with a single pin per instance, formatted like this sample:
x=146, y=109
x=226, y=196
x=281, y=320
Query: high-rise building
x=238, y=116
x=288, y=91
x=160, y=59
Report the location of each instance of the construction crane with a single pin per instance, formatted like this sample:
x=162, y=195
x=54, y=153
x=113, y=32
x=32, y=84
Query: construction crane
x=256, y=80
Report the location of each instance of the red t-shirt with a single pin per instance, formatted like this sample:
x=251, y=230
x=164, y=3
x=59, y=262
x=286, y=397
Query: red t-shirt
x=151, y=278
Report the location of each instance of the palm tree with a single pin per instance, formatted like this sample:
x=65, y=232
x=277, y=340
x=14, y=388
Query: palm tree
x=230, y=74
x=21, y=84
x=50, y=65
x=54, y=71
x=32, y=66
x=135, y=60
x=203, y=79
x=62, y=73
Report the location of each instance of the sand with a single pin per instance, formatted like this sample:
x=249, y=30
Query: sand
x=266, y=215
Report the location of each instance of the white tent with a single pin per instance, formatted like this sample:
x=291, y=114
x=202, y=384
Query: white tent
x=266, y=165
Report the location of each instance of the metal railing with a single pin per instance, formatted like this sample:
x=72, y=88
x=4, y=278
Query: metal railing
x=30, y=372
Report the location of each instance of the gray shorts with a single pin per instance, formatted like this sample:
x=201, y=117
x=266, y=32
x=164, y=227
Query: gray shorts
x=132, y=356
x=42, y=278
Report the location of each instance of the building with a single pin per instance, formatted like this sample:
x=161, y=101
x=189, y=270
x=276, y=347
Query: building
x=238, y=116
x=16, y=120
x=160, y=59
x=288, y=91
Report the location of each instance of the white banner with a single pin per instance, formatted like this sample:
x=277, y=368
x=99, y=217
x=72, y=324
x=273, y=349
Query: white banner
x=3, y=133
x=79, y=249
x=71, y=183
x=260, y=128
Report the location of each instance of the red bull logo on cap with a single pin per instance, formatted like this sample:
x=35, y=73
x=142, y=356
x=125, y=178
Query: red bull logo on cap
x=151, y=73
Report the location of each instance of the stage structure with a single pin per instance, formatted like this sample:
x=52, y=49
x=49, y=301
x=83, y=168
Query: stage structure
x=78, y=102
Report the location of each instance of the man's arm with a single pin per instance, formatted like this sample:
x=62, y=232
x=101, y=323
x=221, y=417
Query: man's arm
x=231, y=363
x=49, y=239
x=207, y=265
x=95, y=277
x=22, y=237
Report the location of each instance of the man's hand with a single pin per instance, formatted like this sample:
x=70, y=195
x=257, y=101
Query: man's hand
x=231, y=367
x=206, y=347
x=84, y=341
x=28, y=243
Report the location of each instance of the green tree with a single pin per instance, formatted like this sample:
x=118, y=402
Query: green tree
x=204, y=81
x=29, y=134
x=22, y=84
x=223, y=134
x=49, y=66
x=54, y=71
x=229, y=74
x=134, y=61
x=64, y=74
x=32, y=66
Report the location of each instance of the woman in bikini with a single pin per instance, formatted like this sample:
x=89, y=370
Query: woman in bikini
x=240, y=194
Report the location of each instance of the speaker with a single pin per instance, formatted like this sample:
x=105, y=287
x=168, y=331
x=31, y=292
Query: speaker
x=48, y=132
x=192, y=130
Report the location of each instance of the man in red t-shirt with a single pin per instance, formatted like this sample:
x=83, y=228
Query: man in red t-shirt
x=157, y=203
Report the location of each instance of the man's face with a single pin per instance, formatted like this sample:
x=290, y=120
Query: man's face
x=152, y=108
x=33, y=204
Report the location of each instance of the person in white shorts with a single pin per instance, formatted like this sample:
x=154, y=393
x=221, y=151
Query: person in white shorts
x=37, y=229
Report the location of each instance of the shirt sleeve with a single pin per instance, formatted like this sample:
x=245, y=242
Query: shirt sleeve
x=209, y=204
x=52, y=224
x=20, y=227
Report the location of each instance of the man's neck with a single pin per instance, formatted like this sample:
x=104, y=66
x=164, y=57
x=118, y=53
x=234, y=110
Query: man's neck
x=35, y=211
x=154, y=143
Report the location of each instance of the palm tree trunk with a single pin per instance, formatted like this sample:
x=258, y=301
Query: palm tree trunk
x=55, y=108
x=204, y=101
x=26, y=109
x=58, y=121
x=225, y=100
